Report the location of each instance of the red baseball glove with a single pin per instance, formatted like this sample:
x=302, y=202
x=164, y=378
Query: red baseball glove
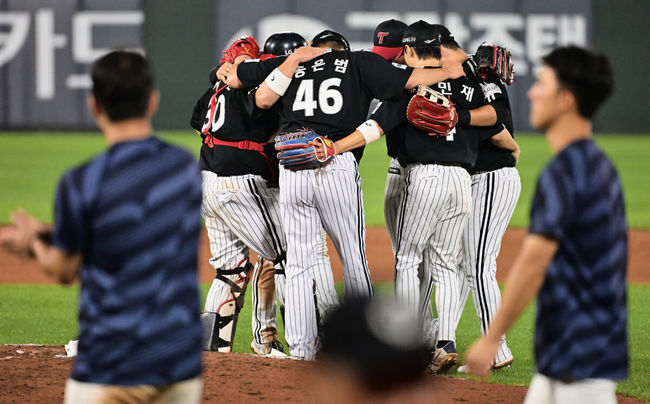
x=431, y=112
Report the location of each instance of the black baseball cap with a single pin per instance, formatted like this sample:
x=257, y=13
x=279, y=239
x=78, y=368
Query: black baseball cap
x=327, y=36
x=388, y=39
x=421, y=33
x=445, y=35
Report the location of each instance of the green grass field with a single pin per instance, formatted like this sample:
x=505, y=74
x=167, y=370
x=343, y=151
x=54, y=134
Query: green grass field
x=47, y=315
x=31, y=164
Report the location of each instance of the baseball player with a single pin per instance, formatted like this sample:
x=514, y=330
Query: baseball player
x=268, y=281
x=426, y=245
x=127, y=223
x=495, y=191
x=575, y=255
x=387, y=42
x=329, y=94
x=240, y=206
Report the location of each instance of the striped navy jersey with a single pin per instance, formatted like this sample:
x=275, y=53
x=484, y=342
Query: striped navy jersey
x=581, y=309
x=133, y=212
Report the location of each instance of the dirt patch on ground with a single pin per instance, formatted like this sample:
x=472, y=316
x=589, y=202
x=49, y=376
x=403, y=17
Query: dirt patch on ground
x=380, y=259
x=34, y=374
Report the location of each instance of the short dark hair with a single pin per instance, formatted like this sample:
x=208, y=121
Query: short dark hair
x=588, y=75
x=122, y=84
x=426, y=52
x=451, y=44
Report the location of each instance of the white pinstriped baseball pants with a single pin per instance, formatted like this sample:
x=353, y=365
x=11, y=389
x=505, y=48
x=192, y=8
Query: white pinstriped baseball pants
x=242, y=212
x=393, y=194
x=494, y=198
x=327, y=198
x=264, y=295
x=435, y=208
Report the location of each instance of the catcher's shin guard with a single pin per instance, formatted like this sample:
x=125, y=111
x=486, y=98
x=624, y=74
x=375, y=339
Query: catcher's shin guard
x=219, y=328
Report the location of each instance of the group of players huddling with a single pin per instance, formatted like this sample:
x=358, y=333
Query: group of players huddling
x=451, y=188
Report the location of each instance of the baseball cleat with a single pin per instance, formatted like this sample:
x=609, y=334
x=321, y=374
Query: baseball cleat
x=443, y=359
x=270, y=349
x=504, y=363
x=496, y=366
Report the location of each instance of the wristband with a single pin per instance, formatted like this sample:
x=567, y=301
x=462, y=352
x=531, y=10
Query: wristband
x=369, y=130
x=464, y=117
x=278, y=82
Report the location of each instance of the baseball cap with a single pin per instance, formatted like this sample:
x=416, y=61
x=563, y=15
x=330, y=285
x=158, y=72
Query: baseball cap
x=421, y=33
x=387, y=41
x=445, y=35
x=328, y=35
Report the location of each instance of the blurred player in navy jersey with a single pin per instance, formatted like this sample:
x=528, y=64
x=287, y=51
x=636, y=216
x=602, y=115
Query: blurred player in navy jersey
x=127, y=224
x=575, y=256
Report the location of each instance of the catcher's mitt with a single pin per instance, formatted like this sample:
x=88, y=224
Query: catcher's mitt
x=432, y=112
x=295, y=152
x=243, y=46
x=495, y=58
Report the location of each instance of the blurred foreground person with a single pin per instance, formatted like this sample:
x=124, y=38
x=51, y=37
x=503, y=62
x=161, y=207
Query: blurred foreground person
x=575, y=255
x=373, y=352
x=127, y=224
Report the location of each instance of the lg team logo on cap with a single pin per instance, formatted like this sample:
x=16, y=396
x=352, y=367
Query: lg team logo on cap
x=381, y=36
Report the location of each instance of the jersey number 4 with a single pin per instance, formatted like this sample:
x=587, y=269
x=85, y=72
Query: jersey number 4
x=330, y=100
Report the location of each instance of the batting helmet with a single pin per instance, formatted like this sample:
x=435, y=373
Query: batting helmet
x=330, y=36
x=283, y=43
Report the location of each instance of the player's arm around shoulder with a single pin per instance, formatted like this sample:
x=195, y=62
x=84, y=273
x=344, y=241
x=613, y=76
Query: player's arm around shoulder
x=277, y=82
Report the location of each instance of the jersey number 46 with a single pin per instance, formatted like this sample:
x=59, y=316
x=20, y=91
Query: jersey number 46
x=330, y=100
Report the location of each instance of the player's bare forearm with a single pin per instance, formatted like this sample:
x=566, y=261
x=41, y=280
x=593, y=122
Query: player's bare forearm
x=227, y=73
x=26, y=237
x=355, y=139
x=428, y=77
x=523, y=283
x=483, y=116
x=56, y=263
x=270, y=91
x=504, y=140
x=350, y=142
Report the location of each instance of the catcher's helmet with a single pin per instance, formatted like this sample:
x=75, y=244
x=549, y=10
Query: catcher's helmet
x=283, y=43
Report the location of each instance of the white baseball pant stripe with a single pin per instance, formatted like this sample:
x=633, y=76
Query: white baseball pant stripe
x=266, y=292
x=327, y=198
x=239, y=212
x=393, y=195
x=434, y=211
x=494, y=197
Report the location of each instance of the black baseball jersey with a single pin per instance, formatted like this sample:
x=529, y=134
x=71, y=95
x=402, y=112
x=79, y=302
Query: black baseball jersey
x=491, y=157
x=416, y=146
x=227, y=114
x=331, y=94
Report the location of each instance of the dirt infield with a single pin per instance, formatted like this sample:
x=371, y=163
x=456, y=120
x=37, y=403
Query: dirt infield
x=380, y=259
x=33, y=374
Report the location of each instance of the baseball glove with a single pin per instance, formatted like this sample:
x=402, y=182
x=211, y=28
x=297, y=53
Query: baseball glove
x=243, y=46
x=495, y=58
x=295, y=152
x=432, y=112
